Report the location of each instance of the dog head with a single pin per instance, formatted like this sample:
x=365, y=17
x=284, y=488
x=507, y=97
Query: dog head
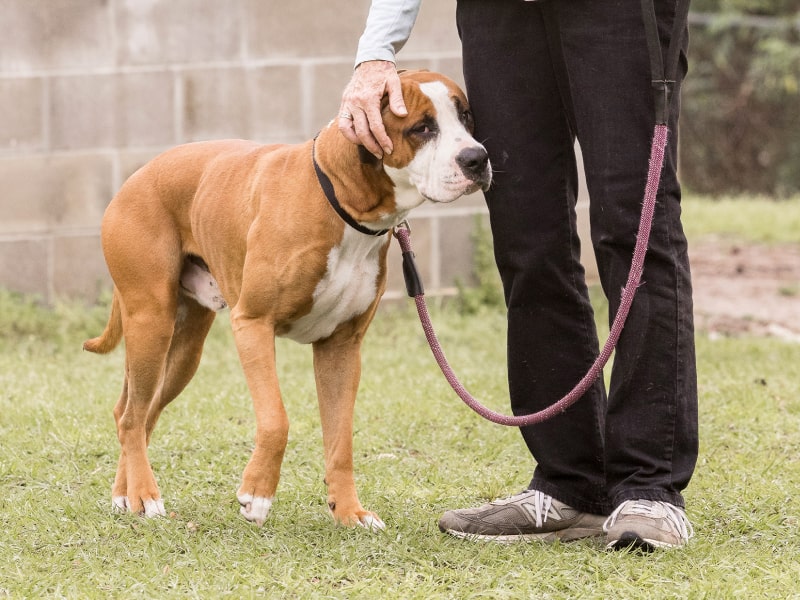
x=433, y=146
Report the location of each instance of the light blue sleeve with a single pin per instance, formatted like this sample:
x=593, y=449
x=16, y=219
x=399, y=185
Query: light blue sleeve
x=389, y=25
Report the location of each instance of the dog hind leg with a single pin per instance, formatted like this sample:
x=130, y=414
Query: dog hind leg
x=143, y=251
x=147, y=342
x=119, y=491
x=186, y=348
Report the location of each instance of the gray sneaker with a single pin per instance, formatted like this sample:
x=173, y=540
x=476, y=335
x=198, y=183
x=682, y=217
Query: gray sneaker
x=529, y=515
x=647, y=525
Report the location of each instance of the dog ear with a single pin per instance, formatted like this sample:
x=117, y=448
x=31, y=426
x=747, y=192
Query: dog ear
x=367, y=158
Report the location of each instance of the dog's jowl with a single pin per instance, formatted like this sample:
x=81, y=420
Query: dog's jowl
x=253, y=227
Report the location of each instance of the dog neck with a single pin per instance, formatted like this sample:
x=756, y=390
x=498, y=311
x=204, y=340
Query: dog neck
x=361, y=185
x=330, y=196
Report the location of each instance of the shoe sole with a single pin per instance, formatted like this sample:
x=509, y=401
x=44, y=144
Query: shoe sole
x=564, y=535
x=631, y=541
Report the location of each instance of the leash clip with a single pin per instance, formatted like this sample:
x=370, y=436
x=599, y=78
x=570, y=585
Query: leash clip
x=404, y=224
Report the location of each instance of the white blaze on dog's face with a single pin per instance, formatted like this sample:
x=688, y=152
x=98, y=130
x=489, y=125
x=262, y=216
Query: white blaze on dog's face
x=433, y=147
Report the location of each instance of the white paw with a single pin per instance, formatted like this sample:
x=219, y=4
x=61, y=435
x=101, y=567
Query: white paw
x=372, y=522
x=119, y=504
x=254, y=508
x=154, y=508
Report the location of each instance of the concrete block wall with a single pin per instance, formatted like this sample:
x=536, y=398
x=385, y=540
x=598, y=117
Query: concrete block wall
x=92, y=89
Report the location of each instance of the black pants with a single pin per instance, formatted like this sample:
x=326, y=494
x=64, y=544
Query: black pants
x=538, y=75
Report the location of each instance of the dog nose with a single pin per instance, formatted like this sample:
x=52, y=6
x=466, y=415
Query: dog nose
x=473, y=162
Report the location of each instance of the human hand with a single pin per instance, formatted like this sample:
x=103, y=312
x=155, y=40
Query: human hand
x=360, y=111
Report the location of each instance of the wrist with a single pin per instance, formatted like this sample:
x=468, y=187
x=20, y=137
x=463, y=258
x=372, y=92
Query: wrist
x=376, y=63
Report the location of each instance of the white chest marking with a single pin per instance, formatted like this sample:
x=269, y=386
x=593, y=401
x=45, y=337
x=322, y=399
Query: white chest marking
x=346, y=290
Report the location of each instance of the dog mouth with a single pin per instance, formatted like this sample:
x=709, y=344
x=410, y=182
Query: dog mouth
x=485, y=181
x=452, y=190
x=452, y=197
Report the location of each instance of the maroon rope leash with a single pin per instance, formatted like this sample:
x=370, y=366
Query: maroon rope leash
x=415, y=290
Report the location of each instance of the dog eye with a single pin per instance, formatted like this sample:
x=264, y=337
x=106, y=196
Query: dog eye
x=466, y=119
x=422, y=129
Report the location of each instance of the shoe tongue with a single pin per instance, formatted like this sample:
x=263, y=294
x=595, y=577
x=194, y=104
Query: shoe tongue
x=648, y=508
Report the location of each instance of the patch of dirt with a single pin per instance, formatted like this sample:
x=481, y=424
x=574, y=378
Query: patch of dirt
x=746, y=289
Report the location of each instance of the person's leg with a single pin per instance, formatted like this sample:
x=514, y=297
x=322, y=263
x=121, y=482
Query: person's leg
x=552, y=341
x=651, y=425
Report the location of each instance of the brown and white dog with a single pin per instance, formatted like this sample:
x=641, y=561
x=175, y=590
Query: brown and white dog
x=238, y=223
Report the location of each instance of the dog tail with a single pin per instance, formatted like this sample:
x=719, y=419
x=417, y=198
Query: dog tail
x=112, y=334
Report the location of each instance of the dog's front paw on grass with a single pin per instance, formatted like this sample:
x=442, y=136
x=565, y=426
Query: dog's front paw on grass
x=119, y=504
x=372, y=522
x=254, y=508
x=357, y=518
x=149, y=508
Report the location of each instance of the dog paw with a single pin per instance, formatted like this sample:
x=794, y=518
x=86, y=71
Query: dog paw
x=119, y=504
x=154, y=508
x=150, y=508
x=360, y=518
x=372, y=522
x=254, y=508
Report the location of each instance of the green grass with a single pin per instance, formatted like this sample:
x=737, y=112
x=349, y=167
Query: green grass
x=751, y=219
x=418, y=452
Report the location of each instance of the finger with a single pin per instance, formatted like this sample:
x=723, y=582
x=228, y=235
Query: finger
x=378, y=130
x=364, y=134
x=347, y=130
x=395, y=91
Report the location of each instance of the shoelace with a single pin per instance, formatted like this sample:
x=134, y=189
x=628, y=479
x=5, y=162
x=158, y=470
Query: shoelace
x=541, y=504
x=648, y=508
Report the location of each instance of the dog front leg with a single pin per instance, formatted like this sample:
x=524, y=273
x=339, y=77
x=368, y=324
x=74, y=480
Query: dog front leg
x=337, y=369
x=255, y=341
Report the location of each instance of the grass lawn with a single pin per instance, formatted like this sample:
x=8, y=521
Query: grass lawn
x=418, y=452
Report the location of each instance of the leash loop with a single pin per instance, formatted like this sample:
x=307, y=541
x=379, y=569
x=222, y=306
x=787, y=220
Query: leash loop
x=663, y=73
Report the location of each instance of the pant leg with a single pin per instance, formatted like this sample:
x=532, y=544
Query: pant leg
x=651, y=425
x=552, y=341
